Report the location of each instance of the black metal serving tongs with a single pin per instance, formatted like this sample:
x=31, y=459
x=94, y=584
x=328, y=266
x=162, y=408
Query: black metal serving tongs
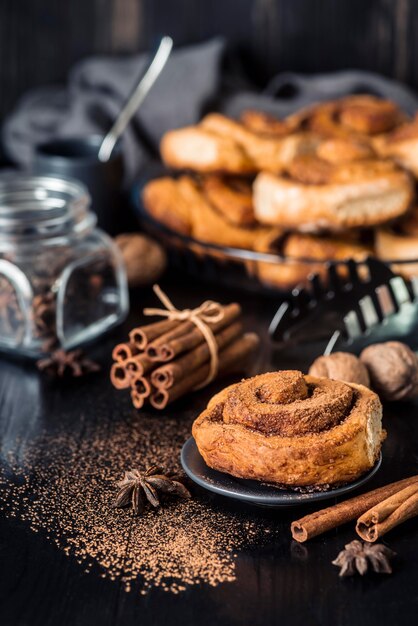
x=352, y=304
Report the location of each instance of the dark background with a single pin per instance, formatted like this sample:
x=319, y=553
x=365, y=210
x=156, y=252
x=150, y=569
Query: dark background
x=41, y=39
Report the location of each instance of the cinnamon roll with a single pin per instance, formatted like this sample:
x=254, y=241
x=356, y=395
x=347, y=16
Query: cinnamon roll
x=302, y=250
x=290, y=429
x=266, y=124
x=344, y=150
x=352, y=116
x=400, y=241
x=181, y=205
x=232, y=197
x=316, y=195
x=164, y=200
x=401, y=145
x=219, y=144
x=340, y=131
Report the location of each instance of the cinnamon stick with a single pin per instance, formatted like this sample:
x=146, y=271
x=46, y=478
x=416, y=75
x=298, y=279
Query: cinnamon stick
x=139, y=364
x=167, y=375
x=167, y=347
x=122, y=372
x=233, y=354
x=333, y=516
x=387, y=514
x=137, y=400
x=143, y=335
x=124, y=351
x=141, y=386
x=160, y=349
x=119, y=375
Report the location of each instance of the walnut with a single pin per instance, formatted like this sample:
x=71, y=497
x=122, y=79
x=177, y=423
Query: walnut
x=393, y=369
x=145, y=260
x=341, y=366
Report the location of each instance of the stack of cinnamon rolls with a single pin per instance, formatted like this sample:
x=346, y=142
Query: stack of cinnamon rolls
x=331, y=182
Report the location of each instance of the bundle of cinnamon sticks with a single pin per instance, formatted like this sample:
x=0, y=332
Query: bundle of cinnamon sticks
x=377, y=512
x=167, y=359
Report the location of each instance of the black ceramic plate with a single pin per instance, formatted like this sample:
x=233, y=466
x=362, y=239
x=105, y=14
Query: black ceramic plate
x=252, y=491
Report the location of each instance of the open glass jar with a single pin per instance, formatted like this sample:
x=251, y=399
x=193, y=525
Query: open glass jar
x=62, y=280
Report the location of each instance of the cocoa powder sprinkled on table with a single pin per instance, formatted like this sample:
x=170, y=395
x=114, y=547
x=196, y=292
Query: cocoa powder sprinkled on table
x=63, y=486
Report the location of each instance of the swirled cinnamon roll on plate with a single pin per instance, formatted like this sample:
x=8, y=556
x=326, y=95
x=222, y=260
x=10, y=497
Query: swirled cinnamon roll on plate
x=290, y=429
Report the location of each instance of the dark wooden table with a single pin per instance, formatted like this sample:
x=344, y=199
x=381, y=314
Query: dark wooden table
x=277, y=582
x=270, y=36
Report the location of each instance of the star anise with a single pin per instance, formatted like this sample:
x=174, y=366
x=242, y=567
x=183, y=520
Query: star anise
x=61, y=363
x=137, y=488
x=357, y=556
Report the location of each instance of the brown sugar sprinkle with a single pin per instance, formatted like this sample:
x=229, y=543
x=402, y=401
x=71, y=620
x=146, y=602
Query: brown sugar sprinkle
x=64, y=489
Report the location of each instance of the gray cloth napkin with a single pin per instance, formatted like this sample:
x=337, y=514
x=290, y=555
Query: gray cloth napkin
x=193, y=77
x=96, y=91
x=288, y=92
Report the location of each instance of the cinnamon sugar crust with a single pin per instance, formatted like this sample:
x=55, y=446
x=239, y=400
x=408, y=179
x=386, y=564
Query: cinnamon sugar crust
x=338, y=150
x=287, y=406
x=265, y=124
x=359, y=116
x=310, y=170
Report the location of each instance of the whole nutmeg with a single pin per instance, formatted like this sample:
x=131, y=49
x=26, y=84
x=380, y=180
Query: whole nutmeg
x=393, y=369
x=341, y=366
x=145, y=260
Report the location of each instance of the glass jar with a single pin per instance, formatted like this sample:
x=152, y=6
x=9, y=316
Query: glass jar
x=62, y=280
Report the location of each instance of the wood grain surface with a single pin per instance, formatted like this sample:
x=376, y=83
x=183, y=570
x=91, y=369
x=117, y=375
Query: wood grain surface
x=40, y=40
x=278, y=582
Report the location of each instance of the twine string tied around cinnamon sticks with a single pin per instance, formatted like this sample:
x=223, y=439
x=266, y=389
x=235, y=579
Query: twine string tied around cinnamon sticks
x=209, y=312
